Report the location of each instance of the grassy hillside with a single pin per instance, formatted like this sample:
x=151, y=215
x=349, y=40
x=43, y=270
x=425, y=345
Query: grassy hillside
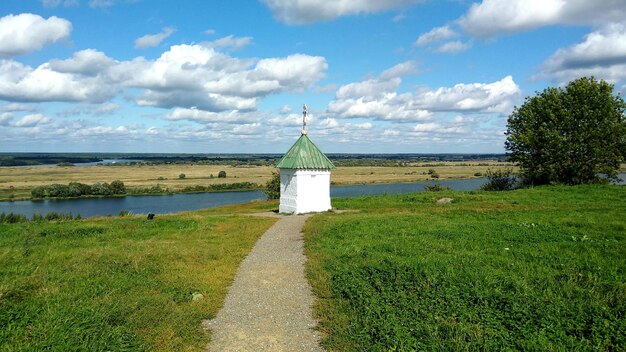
x=534, y=269
x=118, y=284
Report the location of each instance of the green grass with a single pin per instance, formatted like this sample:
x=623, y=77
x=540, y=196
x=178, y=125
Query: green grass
x=118, y=284
x=534, y=269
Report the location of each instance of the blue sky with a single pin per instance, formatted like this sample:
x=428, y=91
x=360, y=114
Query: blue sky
x=395, y=76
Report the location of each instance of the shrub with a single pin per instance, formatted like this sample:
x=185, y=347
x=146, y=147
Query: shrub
x=221, y=174
x=117, y=187
x=272, y=187
x=101, y=189
x=499, y=180
x=182, y=176
x=436, y=188
x=38, y=192
x=478, y=174
x=12, y=218
x=58, y=216
x=124, y=212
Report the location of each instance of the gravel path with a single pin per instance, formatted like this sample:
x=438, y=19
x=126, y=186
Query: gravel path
x=268, y=307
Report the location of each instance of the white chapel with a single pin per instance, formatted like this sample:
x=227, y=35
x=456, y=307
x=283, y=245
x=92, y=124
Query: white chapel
x=304, y=177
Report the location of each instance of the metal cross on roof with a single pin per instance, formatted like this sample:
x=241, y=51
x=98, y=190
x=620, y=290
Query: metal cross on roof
x=304, y=119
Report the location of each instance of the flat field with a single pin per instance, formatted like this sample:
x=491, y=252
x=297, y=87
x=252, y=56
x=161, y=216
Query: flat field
x=538, y=269
x=17, y=182
x=119, y=284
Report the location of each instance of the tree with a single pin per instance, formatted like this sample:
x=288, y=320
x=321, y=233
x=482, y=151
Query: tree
x=570, y=135
x=221, y=174
x=118, y=187
x=272, y=187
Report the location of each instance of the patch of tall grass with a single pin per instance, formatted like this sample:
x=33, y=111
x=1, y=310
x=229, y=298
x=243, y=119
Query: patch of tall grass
x=531, y=269
x=118, y=284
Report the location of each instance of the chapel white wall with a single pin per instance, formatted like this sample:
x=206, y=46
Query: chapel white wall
x=304, y=191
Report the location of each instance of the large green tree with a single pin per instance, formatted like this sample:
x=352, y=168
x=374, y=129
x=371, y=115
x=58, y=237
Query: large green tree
x=570, y=135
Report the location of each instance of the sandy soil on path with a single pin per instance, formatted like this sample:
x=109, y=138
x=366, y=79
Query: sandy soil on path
x=268, y=307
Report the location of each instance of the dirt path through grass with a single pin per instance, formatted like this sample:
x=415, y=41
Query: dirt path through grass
x=268, y=307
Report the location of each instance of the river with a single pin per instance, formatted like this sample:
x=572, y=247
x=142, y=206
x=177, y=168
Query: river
x=162, y=204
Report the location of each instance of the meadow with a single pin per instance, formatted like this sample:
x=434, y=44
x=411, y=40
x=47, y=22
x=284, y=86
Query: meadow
x=120, y=283
x=17, y=182
x=532, y=269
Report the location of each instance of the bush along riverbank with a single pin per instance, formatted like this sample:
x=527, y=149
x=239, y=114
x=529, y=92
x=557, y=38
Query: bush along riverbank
x=530, y=269
x=117, y=189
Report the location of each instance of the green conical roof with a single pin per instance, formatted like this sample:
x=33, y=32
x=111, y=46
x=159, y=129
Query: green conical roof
x=304, y=155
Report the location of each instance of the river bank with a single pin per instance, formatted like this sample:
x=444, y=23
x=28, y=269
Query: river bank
x=16, y=183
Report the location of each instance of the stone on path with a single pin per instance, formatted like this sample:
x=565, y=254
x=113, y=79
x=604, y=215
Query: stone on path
x=268, y=307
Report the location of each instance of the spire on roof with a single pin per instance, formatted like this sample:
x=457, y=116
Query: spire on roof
x=304, y=119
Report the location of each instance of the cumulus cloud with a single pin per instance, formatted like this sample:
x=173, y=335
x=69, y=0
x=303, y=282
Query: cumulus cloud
x=498, y=97
x=435, y=35
x=21, y=83
x=494, y=17
x=87, y=62
x=183, y=76
x=378, y=98
x=602, y=54
x=5, y=118
x=453, y=47
x=291, y=120
x=202, y=116
x=150, y=40
x=231, y=42
x=309, y=11
x=32, y=120
x=400, y=70
x=26, y=32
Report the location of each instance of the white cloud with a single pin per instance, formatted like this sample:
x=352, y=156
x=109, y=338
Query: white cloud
x=370, y=87
x=436, y=130
x=499, y=96
x=17, y=107
x=32, y=120
x=26, y=32
x=5, y=118
x=399, y=17
x=106, y=109
x=309, y=11
x=391, y=133
x=453, y=47
x=291, y=120
x=20, y=83
x=378, y=98
x=495, y=17
x=427, y=127
x=435, y=35
x=55, y=3
x=101, y=3
x=87, y=62
x=230, y=42
x=601, y=54
x=400, y=70
x=202, y=116
x=183, y=76
x=209, y=32
x=150, y=40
